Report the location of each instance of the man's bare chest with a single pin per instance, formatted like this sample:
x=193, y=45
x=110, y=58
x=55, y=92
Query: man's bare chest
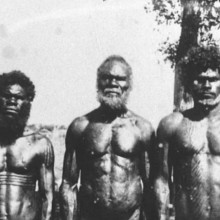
x=120, y=138
x=19, y=158
x=198, y=137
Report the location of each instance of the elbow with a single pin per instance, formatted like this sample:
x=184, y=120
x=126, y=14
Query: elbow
x=64, y=187
x=62, y=191
x=67, y=191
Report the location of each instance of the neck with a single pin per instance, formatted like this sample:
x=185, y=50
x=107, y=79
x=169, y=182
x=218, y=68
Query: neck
x=113, y=113
x=11, y=130
x=203, y=111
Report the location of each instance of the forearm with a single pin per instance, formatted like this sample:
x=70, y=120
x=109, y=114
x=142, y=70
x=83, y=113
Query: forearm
x=46, y=189
x=47, y=207
x=68, y=202
x=161, y=190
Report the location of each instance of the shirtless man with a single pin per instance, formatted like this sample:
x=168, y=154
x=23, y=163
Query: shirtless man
x=24, y=158
x=110, y=147
x=189, y=144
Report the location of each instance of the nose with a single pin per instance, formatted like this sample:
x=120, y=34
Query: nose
x=113, y=82
x=12, y=101
x=207, y=84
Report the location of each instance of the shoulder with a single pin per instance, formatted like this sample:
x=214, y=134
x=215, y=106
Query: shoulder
x=79, y=124
x=140, y=121
x=38, y=138
x=42, y=144
x=144, y=125
x=169, y=124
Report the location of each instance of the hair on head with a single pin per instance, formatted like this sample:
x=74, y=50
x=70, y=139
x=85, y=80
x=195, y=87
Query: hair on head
x=17, y=77
x=111, y=59
x=197, y=60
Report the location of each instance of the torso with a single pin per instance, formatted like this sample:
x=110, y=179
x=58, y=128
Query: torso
x=18, y=165
x=110, y=155
x=196, y=158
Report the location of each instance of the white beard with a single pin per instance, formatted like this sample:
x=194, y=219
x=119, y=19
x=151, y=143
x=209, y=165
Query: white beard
x=113, y=102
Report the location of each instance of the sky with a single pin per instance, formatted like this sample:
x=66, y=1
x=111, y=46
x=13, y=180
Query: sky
x=59, y=44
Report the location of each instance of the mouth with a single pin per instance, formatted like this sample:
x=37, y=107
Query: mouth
x=112, y=92
x=207, y=95
x=11, y=111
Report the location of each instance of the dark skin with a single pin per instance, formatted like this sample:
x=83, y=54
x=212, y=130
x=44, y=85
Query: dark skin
x=23, y=161
x=110, y=149
x=189, y=146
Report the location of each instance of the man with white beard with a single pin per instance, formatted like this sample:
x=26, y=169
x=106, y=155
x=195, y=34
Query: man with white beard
x=110, y=147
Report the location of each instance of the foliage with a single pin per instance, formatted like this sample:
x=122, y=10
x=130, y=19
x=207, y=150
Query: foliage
x=210, y=20
x=167, y=11
x=169, y=48
x=170, y=12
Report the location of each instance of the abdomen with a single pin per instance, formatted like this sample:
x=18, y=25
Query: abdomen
x=113, y=187
x=198, y=189
x=18, y=199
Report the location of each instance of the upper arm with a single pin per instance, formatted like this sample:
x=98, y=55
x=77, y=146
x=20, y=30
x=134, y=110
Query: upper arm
x=147, y=134
x=71, y=158
x=148, y=141
x=46, y=180
x=168, y=126
x=161, y=151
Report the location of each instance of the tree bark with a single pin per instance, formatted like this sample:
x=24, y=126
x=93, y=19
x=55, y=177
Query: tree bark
x=188, y=38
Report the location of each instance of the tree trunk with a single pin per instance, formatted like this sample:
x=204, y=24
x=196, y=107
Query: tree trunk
x=188, y=38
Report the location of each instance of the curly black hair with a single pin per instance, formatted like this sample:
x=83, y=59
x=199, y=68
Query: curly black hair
x=17, y=77
x=197, y=60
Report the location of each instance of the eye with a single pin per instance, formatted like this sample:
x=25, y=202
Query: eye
x=214, y=79
x=20, y=98
x=121, y=78
x=104, y=77
x=6, y=96
x=201, y=80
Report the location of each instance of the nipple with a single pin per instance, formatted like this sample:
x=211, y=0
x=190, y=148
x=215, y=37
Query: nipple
x=160, y=145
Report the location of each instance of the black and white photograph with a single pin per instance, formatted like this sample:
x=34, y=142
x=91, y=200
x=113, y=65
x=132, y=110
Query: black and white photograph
x=109, y=110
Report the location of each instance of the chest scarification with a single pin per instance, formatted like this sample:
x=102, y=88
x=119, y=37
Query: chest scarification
x=191, y=137
x=118, y=138
x=213, y=136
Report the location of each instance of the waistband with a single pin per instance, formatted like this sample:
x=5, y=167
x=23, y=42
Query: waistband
x=17, y=179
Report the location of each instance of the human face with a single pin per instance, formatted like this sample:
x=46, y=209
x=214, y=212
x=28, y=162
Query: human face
x=114, y=85
x=206, y=88
x=12, y=99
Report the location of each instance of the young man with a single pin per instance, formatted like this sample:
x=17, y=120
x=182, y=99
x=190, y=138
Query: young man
x=24, y=158
x=189, y=144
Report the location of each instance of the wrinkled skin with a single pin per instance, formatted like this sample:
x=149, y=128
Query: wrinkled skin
x=189, y=145
x=110, y=147
x=24, y=160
